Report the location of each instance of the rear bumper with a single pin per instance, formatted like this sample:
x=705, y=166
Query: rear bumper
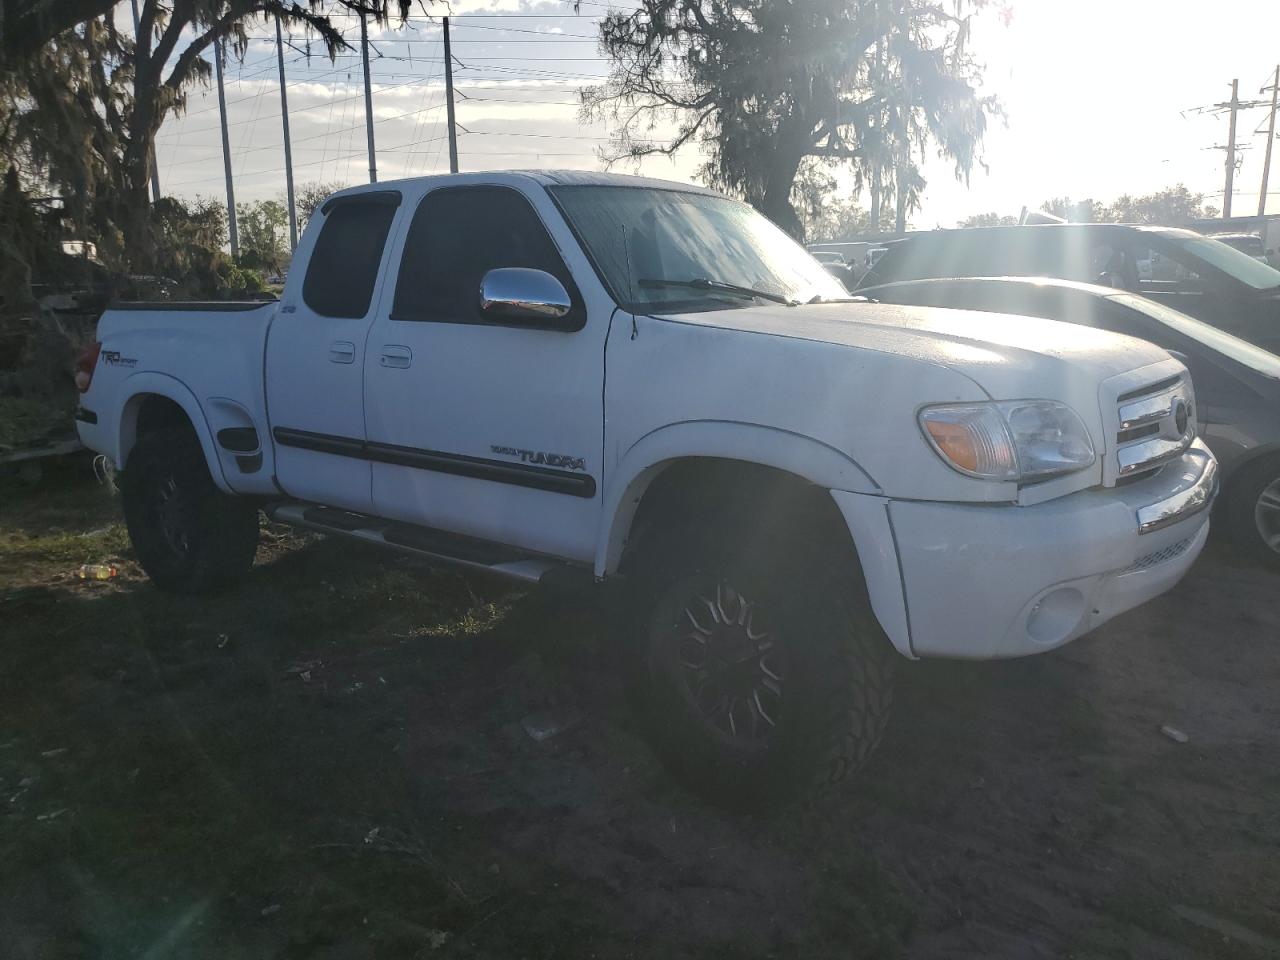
x=979, y=581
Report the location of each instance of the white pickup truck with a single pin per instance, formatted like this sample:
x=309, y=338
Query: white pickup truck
x=537, y=373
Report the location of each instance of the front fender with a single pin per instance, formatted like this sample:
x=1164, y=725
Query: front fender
x=137, y=388
x=812, y=460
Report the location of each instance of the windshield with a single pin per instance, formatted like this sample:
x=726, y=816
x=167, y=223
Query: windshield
x=1249, y=271
x=1239, y=350
x=1251, y=245
x=656, y=248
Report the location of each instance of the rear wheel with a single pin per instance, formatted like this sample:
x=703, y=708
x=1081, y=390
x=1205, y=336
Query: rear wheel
x=1253, y=510
x=189, y=536
x=760, y=679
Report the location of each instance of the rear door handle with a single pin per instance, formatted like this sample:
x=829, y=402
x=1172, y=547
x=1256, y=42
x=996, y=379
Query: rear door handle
x=394, y=355
x=342, y=351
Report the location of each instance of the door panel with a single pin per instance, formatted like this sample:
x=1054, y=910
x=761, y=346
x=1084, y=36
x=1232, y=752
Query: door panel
x=315, y=354
x=490, y=430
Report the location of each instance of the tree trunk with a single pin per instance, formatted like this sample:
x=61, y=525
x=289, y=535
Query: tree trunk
x=776, y=202
x=144, y=124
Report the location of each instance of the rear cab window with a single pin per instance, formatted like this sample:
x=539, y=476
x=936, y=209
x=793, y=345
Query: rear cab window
x=342, y=272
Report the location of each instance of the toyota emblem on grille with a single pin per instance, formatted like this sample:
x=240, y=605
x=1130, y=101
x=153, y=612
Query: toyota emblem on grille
x=1180, y=416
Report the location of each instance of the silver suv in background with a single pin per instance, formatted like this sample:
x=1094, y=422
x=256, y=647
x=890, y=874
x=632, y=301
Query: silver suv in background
x=1191, y=273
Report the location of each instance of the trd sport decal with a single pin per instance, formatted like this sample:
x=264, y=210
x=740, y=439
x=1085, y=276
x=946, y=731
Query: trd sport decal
x=544, y=459
x=112, y=358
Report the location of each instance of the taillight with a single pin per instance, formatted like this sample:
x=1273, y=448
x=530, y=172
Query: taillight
x=86, y=363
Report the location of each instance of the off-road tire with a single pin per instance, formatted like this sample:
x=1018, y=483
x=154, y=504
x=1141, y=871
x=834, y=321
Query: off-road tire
x=1242, y=496
x=836, y=695
x=189, y=536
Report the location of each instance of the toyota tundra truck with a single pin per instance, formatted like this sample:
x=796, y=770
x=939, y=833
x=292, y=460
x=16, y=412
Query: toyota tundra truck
x=580, y=375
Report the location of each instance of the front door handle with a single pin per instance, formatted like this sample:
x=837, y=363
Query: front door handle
x=394, y=355
x=342, y=351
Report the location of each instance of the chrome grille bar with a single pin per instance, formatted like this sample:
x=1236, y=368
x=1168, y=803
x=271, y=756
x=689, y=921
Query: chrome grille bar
x=1149, y=454
x=1156, y=425
x=1151, y=409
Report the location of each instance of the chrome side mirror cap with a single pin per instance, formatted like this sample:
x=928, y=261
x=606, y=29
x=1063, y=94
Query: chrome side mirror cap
x=518, y=293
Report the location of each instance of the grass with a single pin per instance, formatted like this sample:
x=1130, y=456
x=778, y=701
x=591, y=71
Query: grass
x=25, y=420
x=329, y=761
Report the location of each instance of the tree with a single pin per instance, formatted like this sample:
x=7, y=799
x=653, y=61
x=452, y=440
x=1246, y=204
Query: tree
x=763, y=84
x=160, y=88
x=156, y=68
x=26, y=26
x=988, y=220
x=1086, y=211
x=80, y=113
x=1171, y=207
x=60, y=129
x=264, y=235
x=189, y=245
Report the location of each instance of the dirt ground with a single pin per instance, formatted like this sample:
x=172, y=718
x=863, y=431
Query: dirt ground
x=330, y=762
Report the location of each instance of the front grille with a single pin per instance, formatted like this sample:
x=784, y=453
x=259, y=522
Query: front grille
x=1156, y=424
x=1171, y=552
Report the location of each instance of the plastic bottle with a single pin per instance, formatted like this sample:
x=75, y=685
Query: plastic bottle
x=96, y=571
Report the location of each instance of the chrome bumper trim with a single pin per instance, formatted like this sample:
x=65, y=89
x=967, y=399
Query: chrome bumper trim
x=1184, y=503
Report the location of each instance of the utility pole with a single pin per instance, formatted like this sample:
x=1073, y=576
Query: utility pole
x=1230, y=107
x=1271, y=138
x=155, y=173
x=288, y=148
x=1231, y=150
x=448, y=100
x=368, y=98
x=226, y=153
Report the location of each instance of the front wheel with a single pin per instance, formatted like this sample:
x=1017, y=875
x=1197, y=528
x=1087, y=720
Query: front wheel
x=756, y=687
x=189, y=536
x=1253, y=510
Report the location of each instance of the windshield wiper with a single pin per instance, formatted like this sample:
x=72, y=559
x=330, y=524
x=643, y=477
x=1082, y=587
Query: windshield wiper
x=705, y=283
x=852, y=298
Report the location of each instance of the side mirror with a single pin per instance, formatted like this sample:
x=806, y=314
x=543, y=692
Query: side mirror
x=518, y=293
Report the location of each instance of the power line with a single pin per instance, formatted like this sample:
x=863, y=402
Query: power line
x=539, y=103
x=516, y=80
x=317, y=136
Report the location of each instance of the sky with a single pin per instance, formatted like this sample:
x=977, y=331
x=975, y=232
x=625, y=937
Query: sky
x=1099, y=98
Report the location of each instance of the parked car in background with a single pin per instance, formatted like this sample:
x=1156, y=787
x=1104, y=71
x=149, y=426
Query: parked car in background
x=836, y=265
x=1249, y=243
x=872, y=256
x=1237, y=385
x=1191, y=273
x=580, y=376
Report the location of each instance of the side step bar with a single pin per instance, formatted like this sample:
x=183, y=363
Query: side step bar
x=435, y=546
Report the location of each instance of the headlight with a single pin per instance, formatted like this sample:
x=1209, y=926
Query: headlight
x=1023, y=440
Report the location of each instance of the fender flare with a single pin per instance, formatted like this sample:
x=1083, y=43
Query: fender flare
x=1247, y=459
x=803, y=456
x=150, y=383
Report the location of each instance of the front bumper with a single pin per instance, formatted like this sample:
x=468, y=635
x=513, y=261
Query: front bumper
x=985, y=581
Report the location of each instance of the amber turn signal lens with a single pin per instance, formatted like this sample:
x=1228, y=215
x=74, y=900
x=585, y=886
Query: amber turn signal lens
x=955, y=440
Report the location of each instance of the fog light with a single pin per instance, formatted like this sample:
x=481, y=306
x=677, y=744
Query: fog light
x=1055, y=616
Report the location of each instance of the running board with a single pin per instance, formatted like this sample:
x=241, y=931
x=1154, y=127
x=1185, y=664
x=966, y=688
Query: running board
x=434, y=546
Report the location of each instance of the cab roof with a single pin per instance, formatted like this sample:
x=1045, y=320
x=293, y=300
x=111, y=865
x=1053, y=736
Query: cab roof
x=547, y=178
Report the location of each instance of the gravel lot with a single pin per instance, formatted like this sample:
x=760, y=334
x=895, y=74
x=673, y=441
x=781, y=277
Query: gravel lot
x=331, y=762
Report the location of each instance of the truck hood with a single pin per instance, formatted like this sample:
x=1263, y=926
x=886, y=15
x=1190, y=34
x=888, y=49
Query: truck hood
x=999, y=352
